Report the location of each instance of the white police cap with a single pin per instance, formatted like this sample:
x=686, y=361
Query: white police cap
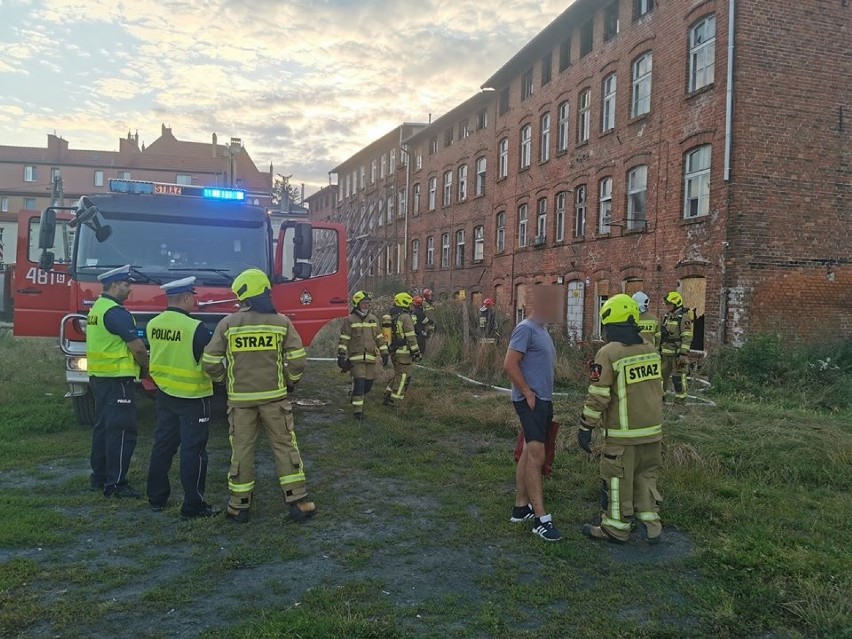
x=120, y=274
x=184, y=285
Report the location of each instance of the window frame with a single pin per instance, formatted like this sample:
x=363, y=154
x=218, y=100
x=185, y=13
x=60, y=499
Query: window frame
x=504, y=102
x=605, y=204
x=183, y=182
x=98, y=173
x=432, y=201
x=638, y=97
x=541, y=220
x=608, y=102
x=527, y=85
x=481, y=175
x=523, y=225
x=565, y=54
x=445, y=250
x=430, y=251
x=638, y=6
x=503, y=158
x=462, y=187
x=478, y=244
x=633, y=191
x=608, y=13
x=526, y=146
x=584, y=116
x=544, y=138
x=546, y=68
x=500, y=232
x=30, y=173
x=587, y=37
x=701, y=177
x=460, y=246
x=700, y=49
x=447, y=186
x=563, y=126
x=415, y=255
x=559, y=206
x=27, y=206
x=415, y=197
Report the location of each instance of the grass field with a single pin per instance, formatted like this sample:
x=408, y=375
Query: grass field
x=413, y=540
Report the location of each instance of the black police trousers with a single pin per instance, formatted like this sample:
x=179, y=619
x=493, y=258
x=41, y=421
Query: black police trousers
x=114, y=433
x=183, y=423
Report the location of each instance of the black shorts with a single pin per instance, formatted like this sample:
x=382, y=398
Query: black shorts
x=535, y=422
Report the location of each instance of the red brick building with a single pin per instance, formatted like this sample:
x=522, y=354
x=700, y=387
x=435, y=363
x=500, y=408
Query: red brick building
x=27, y=173
x=322, y=205
x=621, y=149
x=372, y=200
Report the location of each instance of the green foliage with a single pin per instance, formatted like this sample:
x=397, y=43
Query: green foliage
x=770, y=368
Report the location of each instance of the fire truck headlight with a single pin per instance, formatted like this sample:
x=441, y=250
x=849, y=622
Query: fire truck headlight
x=79, y=364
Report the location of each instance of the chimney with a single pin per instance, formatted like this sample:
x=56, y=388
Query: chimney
x=215, y=145
x=165, y=130
x=130, y=144
x=56, y=146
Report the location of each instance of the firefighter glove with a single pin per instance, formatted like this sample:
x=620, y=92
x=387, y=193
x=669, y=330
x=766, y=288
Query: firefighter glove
x=290, y=388
x=584, y=439
x=416, y=356
x=342, y=361
x=385, y=359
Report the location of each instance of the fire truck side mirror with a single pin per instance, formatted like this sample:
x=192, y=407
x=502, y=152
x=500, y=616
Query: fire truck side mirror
x=47, y=229
x=303, y=242
x=46, y=260
x=302, y=270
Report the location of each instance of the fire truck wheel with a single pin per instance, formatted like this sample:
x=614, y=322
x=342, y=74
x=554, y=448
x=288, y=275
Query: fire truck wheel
x=84, y=409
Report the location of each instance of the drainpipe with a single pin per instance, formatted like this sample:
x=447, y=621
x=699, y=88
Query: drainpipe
x=729, y=100
x=403, y=148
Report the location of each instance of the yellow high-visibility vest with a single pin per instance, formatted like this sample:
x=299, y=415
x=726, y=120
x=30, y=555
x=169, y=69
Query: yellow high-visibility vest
x=107, y=354
x=173, y=365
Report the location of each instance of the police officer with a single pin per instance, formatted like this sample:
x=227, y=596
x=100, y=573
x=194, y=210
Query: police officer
x=487, y=321
x=403, y=347
x=177, y=342
x=675, y=341
x=625, y=399
x=265, y=360
x=115, y=355
x=423, y=326
x=649, y=325
x=361, y=344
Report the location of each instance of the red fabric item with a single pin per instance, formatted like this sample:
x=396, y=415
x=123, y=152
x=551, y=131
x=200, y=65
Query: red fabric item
x=549, y=448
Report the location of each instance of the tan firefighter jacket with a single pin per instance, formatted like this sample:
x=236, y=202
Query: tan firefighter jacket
x=626, y=394
x=262, y=353
x=361, y=338
x=675, y=334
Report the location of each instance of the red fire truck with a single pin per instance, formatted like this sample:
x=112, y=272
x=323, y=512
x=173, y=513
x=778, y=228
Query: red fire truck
x=166, y=232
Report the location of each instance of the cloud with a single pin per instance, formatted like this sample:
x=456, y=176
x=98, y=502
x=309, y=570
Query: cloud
x=304, y=82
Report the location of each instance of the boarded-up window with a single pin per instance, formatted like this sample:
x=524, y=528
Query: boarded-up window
x=574, y=310
x=520, y=311
x=694, y=291
x=633, y=286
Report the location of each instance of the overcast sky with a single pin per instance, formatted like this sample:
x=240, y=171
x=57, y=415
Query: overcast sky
x=304, y=83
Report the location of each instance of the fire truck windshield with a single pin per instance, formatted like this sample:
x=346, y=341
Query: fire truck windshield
x=173, y=247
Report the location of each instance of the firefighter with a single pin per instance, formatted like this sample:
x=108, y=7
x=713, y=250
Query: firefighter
x=648, y=322
x=625, y=400
x=265, y=360
x=487, y=321
x=423, y=325
x=177, y=342
x=361, y=345
x=116, y=356
x=403, y=346
x=675, y=340
x=428, y=300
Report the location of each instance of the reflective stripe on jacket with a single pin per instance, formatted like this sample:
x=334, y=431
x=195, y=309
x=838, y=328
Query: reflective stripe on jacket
x=264, y=354
x=677, y=336
x=627, y=397
x=650, y=327
x=173, y=365
x=107, y=354
x=361, y=338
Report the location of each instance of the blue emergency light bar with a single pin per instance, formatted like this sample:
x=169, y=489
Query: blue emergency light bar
x=139, y=187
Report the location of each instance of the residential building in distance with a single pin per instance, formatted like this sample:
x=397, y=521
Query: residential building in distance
x=27, y=174
x=634, y=145
x=322, y=205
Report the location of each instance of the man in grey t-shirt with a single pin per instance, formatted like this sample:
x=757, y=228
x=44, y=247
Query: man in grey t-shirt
x=530, y=364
